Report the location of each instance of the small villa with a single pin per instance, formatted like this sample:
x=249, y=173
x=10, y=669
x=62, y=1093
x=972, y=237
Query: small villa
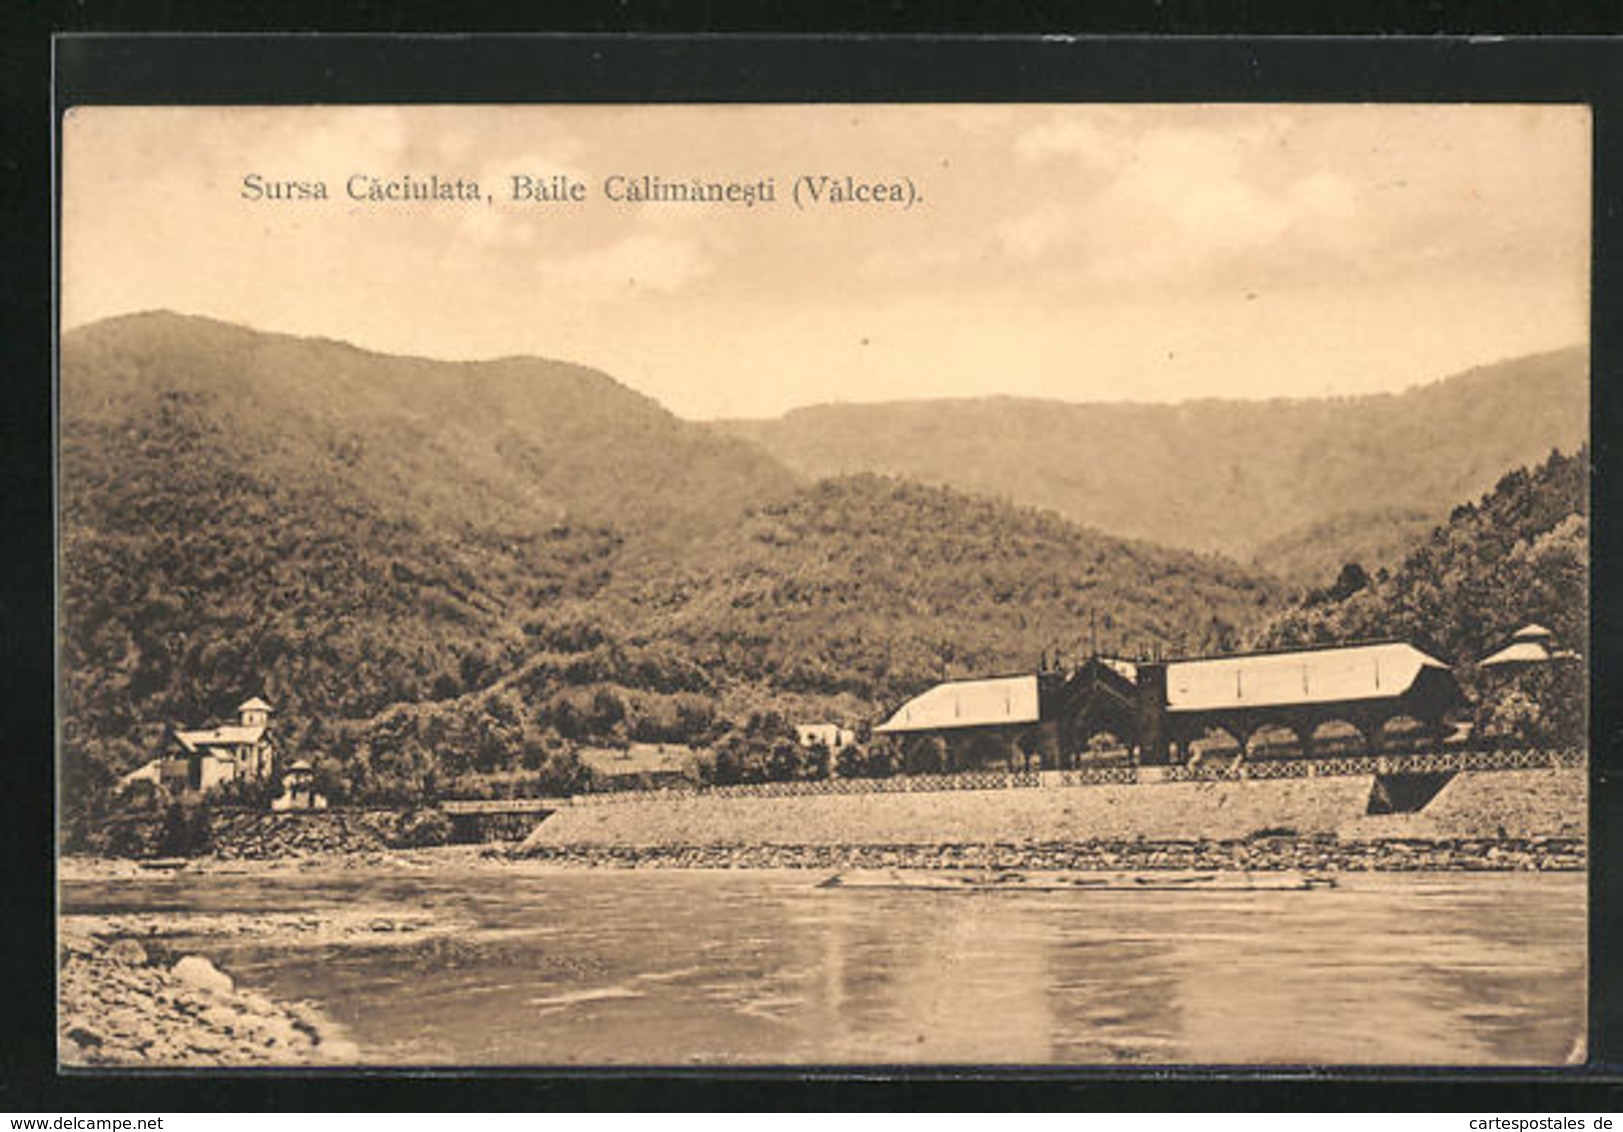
x=205, y=759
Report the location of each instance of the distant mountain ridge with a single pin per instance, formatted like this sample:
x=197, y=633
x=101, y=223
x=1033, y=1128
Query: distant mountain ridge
x=1211, y=475
x=510, y=444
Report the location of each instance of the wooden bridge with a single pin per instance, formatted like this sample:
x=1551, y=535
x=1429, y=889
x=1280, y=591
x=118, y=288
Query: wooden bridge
x=496, y=819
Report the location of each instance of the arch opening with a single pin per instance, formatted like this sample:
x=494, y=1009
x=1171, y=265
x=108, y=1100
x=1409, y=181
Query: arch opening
x=1337, y=738
x=1405, y=732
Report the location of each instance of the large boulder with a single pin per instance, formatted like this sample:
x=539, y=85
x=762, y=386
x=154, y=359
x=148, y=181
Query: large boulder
x=198, y=972
x=76, y=946
x=128, y=952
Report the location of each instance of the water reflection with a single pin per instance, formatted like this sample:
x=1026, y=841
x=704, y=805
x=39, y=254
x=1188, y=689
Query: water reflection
x=714, y=968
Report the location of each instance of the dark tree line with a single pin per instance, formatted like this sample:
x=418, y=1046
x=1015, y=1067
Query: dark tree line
x=1518, y=555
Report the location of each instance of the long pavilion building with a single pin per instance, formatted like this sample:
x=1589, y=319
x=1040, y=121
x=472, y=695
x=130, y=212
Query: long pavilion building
x=1158, y=709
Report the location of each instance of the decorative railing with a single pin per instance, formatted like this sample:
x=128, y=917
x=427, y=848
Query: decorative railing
x=1415, y=763
x=1095, y=776
x=471, y=806
x=1262, y=769
x=896, y=784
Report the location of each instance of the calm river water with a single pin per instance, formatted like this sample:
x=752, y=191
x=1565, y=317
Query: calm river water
x=688, y=967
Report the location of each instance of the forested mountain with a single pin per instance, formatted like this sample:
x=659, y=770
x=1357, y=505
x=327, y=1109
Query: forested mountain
x=1519, y=554
x=1228, y=476
x=833, y=604
x=338, y=530
x=875, y=586
x=1311, y=556
x=431, y=568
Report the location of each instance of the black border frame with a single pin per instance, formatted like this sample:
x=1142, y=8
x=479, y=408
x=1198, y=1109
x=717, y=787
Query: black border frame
x=589, y=66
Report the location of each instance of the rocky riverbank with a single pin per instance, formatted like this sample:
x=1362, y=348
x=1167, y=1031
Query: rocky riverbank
x=125, y=1002
x=1320, y=853
x=256, y=835
x=72, y=867
x=1314, y=854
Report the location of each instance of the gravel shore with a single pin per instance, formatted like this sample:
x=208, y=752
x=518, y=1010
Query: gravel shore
x=75, y=867
x=1317, y=855
x=122, y=1002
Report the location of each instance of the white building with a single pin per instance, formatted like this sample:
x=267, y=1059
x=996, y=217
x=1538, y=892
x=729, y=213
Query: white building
x=830, y=735
x=208, y=758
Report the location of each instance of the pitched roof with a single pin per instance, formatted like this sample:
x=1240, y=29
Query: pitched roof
x=1355, y=672
x=228, y=736
x=1517, y=652
x=149, y=771
x=1121, y=667
x=255, y=704
x=1531, y=644
x=968, y=703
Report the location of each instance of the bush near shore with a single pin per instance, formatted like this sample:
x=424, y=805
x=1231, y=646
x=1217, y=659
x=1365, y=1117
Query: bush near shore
x=198, y=830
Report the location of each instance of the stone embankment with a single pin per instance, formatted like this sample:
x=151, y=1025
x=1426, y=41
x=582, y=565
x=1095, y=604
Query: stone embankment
x=123, y=1002
x=1267, y=854
x=1490, y=804
x=1498, y=819
x=250, y=836
x=1213, y=810
x=1501, y=820
x=1499, y=804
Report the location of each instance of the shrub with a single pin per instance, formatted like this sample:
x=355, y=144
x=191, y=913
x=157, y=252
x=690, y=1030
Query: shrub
x=129, y=839
x=423, y=828
x=187, y=829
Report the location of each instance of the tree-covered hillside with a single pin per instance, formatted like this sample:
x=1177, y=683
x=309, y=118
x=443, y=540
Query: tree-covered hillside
x=1311, y=556
x=876, y=587
x=434, y=569
x=1518, y=556
x=833, y=604
x=192, y=577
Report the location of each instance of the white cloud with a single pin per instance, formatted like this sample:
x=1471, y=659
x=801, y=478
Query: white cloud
x=334, y=142
x=1079, y=138
x=639, y=262
x=1173, y=202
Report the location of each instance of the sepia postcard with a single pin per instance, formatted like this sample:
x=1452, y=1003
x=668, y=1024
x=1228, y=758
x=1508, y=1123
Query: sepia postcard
x=1054, y=584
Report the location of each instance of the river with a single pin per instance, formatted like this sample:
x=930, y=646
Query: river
x=671, y=967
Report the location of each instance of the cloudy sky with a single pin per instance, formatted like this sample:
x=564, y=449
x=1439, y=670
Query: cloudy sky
x=1150, y=253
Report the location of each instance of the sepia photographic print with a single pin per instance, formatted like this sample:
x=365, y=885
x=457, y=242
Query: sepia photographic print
x=981, y=584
